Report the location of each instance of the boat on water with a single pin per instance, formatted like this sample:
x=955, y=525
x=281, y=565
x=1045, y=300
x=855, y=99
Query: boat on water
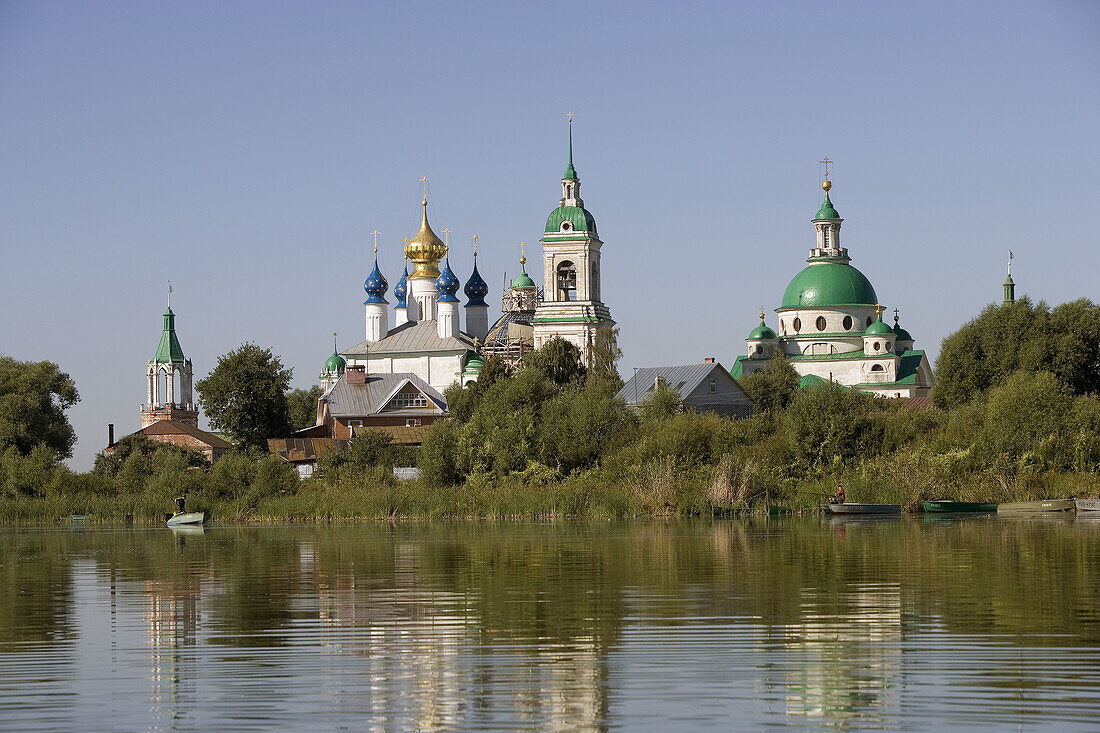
x=1042, y=505
x=1087, y=505
x=186, y=518
x=944, y=505
x=853, y=508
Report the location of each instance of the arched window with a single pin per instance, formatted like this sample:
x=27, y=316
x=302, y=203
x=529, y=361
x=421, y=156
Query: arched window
x=567, y=281
x=759, y=349
x=820, y=323
x=869, y=321
x=825, y=239
x=877, y=368
x=797, y=325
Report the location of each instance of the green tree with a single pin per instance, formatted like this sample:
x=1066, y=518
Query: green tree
x=302, y=406
x=33, y=399
x=110, y=465
x=772, y=387
x=827, y=422
x=492, y=371
x=1030, y=412
x=245, y=395
x=660, y=404
x=559, y=360
x=1020, y=336
x=577, y=426
x=605, y=358
x=438, y=459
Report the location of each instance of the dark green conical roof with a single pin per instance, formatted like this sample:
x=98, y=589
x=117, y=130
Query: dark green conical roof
x=169, y=351
x=570, y=171
x=827, y=211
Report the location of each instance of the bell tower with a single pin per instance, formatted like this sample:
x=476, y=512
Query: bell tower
x=571, y=307
x=168, y=379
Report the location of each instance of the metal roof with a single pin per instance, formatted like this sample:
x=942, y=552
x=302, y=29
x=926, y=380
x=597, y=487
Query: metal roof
x=360, y=400
x=412, y=338
x=684, y=379
x=173, y=427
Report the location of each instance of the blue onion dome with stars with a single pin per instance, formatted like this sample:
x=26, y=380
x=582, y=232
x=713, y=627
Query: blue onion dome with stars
x=447, y=284
x=476, y=288
x=401, y=291
x=376, y=286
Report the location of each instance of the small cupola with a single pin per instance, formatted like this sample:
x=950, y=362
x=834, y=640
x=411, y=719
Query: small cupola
x=878, y=338
x=401, y=290
x=447, y=283
x=375, y=285
x=762, y=340
x=476, y=288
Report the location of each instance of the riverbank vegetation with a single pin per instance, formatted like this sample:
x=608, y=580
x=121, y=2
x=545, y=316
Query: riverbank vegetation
x=1015, y=415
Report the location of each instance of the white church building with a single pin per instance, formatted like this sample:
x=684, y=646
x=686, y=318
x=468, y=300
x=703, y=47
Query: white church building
x=830, y=325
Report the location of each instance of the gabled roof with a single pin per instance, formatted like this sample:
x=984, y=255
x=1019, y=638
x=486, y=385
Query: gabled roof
x=684, y=379
x=412, y=338
x=173, y=427
x=370, y=398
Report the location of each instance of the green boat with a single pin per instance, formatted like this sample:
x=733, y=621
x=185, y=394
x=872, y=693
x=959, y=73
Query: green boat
x=944, y=505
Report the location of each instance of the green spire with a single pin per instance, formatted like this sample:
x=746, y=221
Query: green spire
x=826, y=211
x=169, y=351
x=570, y=171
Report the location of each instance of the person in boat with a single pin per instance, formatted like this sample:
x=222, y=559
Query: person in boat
x=838, y=497
x=179, y=504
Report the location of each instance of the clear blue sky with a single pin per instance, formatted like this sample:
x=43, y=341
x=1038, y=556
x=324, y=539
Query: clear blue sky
x=246, y=150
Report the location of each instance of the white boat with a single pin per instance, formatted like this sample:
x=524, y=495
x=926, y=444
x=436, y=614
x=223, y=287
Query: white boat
x=1087, y=505
x=853, y=508
x=177, y=520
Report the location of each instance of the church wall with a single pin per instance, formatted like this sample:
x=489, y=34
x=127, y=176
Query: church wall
x=834, y=321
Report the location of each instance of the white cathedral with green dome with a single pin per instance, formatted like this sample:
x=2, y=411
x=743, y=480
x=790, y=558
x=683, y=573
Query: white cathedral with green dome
x=831, y=328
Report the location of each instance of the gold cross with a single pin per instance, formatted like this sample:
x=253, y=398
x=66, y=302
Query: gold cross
x=475, y=244
x=896, y=315
x=878, y=311
x=376, y=233
x=425, y=180
x=570, y=116
x=826, y=162
x=523, y=249
x=446, y=238
x=761, y=314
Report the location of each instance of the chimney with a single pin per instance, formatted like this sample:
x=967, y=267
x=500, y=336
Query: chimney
x=110, y=434
x=708, y=360
x=356, y=374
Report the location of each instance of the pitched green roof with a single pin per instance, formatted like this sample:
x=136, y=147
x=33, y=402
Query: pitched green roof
x=169, y=351
x=829, y=284
x=581, y=220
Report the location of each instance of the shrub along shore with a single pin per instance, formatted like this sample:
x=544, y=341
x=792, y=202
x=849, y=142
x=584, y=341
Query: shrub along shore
x=1016, y=416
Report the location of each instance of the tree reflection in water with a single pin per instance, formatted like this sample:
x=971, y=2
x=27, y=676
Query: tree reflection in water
x=571, y=625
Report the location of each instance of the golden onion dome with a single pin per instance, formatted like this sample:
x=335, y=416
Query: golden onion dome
x=425, y=249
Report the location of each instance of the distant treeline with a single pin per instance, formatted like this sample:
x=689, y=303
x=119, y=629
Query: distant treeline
x=1015, y=415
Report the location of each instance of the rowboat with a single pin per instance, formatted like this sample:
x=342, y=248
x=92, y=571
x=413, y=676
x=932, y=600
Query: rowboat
x=852, y=508
x=177, y=520
x=1087, y=505
x=1043, y=505
x=944, y=505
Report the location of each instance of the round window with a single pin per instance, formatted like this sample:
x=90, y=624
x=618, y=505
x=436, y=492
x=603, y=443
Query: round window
x=759, y=349
x=820, y=323
x=876, y=346
x=566, y=226
x=797, y=325
x=847, y=323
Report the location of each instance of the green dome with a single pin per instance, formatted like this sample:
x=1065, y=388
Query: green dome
x=523, y=280
x=335, y=363
x=473, y=366
x=580, y=220
x=829, y=284
x=826, y=211
x=878, y=328
x=762, y=332
x=901, y=333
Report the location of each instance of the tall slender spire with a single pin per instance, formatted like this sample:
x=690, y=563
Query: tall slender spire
x=570, y=171
x=1010, y=286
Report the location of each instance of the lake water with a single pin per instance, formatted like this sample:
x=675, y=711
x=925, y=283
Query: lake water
x=655, y=625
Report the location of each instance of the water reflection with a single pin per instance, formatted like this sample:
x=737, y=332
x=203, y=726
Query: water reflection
x=895, y=623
